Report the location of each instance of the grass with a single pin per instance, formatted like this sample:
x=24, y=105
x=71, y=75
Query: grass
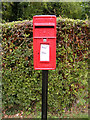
x=76, y=112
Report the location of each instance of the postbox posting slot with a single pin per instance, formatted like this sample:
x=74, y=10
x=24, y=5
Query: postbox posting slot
x=44, y=26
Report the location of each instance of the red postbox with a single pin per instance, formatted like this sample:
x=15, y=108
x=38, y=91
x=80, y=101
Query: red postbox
x=44, y=42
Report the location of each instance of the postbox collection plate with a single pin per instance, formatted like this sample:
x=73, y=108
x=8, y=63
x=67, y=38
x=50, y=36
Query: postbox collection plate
x=44, y=42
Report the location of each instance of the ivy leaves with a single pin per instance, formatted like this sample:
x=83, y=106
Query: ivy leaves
x=22, y=84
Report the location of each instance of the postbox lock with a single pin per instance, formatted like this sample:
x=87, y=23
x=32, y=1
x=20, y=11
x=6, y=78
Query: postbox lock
x=44, y=40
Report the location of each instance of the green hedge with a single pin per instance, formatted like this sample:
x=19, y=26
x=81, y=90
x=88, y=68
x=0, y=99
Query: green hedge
x=22, y=85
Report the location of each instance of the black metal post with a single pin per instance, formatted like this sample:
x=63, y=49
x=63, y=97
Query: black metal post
x=44, y=93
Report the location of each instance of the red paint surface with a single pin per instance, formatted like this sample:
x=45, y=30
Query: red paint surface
x=44, y=27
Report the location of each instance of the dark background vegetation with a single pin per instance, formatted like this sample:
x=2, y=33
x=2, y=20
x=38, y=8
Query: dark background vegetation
x=13, y=11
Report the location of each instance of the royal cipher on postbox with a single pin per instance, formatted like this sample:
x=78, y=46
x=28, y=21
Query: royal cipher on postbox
x=44, y=42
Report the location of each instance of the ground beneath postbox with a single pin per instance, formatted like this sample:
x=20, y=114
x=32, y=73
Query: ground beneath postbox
x=76, y=112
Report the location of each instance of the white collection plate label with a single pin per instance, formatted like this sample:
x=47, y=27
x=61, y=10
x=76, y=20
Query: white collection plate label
x=44, y=52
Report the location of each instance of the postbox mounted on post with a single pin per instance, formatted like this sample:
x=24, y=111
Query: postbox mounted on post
x=44, y=42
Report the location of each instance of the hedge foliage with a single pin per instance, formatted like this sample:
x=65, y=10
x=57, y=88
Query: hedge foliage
x=22, y=85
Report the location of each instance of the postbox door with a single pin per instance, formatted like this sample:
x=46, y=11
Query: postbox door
x=45, y=54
